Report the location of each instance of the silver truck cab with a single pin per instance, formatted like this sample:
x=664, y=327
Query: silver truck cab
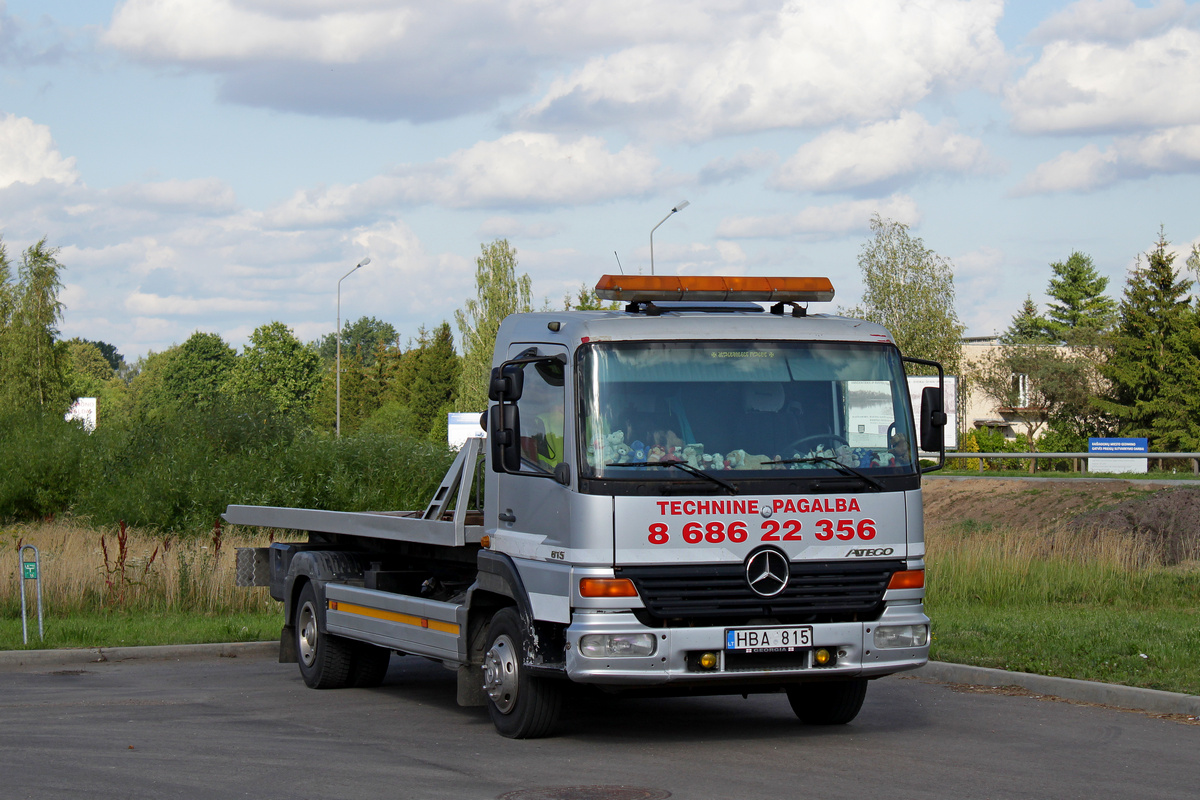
x=711, y=497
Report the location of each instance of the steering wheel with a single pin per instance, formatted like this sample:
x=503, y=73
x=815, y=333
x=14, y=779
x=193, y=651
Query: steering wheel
x=797, y=446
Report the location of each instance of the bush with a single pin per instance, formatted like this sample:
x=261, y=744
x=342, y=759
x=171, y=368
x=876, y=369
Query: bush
x=39, y=464
x=179, y=472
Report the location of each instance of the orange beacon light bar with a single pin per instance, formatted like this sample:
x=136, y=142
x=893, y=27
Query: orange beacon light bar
x=648, y=288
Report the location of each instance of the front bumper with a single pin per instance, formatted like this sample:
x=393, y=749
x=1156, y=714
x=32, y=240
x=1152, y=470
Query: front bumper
x=853, y=642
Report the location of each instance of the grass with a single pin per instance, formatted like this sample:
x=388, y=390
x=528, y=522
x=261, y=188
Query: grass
x=1058, y=602
x=136, y=628
x=125, y=587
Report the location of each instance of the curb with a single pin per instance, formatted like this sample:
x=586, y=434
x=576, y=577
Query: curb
x=175, y=652
x=1106, y=694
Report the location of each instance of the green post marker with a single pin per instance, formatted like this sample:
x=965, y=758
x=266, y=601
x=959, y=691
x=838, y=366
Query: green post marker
x=29, y=572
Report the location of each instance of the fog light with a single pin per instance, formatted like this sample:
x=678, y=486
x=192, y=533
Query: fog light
x=901, y=636
x=822, y=657
x=617, y=645
x=709, y=660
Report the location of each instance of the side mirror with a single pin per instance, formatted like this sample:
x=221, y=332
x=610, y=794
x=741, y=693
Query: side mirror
x=933, y=420
x=504, y=435
x=507, y=380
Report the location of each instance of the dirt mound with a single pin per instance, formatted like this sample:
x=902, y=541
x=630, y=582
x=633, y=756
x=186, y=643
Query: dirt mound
x=1168, y=519
x=996, y=502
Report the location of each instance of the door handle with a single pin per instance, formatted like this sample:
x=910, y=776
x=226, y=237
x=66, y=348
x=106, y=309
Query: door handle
x=508, y=516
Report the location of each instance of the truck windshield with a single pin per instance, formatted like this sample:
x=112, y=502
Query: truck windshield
x=743, y=407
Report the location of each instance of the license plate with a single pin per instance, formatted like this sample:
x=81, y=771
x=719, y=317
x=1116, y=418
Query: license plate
x=768, y=640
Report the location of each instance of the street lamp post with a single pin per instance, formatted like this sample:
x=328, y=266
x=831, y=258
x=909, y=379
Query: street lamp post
x=338, y=377
x=674, y=210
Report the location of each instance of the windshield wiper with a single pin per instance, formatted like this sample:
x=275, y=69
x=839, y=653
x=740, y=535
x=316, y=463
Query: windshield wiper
x=839, y=466
x=683, y=465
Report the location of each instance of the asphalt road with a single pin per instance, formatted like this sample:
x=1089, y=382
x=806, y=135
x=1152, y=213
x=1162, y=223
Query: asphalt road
x=248, y=727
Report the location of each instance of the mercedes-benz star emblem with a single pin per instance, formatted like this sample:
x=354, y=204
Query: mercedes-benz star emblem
x=767, y=572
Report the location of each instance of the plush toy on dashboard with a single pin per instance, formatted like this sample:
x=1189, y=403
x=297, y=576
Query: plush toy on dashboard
x=637, y=451
x=612, y=442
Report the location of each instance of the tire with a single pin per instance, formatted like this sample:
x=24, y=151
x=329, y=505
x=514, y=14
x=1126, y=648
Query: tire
x=326, y=661
x=521, y=705
x=828, y=703
x=370, y=665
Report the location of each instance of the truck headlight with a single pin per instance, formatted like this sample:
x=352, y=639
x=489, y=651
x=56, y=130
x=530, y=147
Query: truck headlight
x=901, y=636
x=617, y=645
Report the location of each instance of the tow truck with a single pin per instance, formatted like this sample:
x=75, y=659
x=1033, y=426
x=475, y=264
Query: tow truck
x=709, y=490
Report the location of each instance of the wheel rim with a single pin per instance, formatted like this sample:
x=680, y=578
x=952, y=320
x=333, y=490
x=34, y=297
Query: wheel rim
x=500, y=674
x=306, y=630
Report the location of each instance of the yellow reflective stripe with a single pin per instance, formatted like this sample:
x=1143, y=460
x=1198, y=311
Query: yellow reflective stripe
x=392, y=616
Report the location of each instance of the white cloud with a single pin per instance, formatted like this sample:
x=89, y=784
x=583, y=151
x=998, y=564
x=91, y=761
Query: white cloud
x=837, y=219
x=514, y=228
x=1169, y=151
x=520, y=169
x=816, y=63
x=880, y=153
x=399, y=59
x=708, y=65
x=724, y=170
x=203, y=195
x=1110, y=21
x=226, y=30
x=28, y=154
x=1081, y=87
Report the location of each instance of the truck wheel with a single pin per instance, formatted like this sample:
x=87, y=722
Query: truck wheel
x=521, y=706
x=325, y=660
x=828, y=703
x=370, y=665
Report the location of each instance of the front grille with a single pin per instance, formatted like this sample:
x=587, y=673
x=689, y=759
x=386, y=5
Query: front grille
x=817, y=591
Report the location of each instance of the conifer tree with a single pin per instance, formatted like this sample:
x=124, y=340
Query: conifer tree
x=1154, y=364
x=1082, y=309
x=1027, y=327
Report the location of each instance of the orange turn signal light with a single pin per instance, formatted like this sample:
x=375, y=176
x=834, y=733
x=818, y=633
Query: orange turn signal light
x=607, y=587
x=908, y=579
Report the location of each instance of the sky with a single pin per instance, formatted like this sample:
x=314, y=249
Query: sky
x=216, y=165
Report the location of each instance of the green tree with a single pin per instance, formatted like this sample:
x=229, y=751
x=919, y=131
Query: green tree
x=367, y=334
x=586, y=300
x=499, y=292
x=89, y=369
x=1027, y=326
x=197, y=371
x=1153, y=367
x=34, y=361
x=909, y=289
x=1082, y=309
x=1044, y=384
x=428, y=382
x=275, y=365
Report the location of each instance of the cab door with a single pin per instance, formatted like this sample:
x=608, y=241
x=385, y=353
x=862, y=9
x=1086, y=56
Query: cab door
x=533, y=509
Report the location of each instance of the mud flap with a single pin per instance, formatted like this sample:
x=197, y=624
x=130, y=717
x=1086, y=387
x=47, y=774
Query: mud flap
x=287, y=645
x=470, y=686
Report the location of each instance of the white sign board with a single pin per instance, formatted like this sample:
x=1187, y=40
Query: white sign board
x=461, y=426
x=84, y=410
x=1129, y=445
x=950, y=398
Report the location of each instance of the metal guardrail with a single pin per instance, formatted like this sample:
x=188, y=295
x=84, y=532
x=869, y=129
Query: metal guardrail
x=1080, y=459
